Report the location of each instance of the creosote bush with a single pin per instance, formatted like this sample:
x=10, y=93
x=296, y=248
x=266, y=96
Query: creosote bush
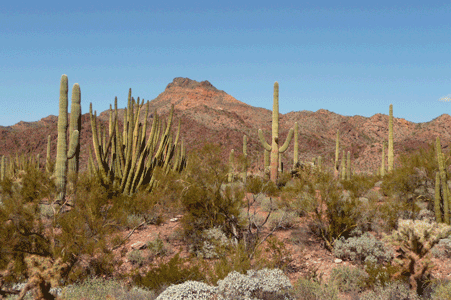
x=204, y=204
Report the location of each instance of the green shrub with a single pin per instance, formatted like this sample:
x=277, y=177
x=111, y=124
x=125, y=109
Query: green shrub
x=394, y=290
x=157, y=247
x=136, y=258
x=442, y=291
x=365, y=248
x=204, y=204
x=359, y=184
x=282, y=219
x=340, y=217
x=101, y=289
x=380, y=274
x=306, y=289
x=349, y=279
x=169, y=273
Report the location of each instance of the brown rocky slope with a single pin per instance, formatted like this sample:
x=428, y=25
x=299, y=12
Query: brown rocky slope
x=211, y=115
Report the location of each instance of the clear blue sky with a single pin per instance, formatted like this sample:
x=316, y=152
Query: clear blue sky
x=349, y=57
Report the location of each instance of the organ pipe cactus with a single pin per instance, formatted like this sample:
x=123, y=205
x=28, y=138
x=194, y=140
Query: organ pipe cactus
x=274, y=147
x=63, y=153
x=390, y=139
x=446, y=197
x=127, y=160
x=48, y=161
x=319, y=163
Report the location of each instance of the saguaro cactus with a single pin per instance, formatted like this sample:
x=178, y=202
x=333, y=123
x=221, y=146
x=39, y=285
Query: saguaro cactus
x=75, y=124
x=337, y=147
x=383, y=160
x=390, y=139
x=266, y=163
x=63, y=154
x=2, y=174
x=343, y=166
x=446, y=197
x=437, y=199
x=348, y=167
x=48, y=161
x=296, y=145
x=274, y=147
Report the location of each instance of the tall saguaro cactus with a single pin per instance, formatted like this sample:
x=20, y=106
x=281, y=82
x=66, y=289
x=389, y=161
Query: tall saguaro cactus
x=2, y=174
x=446, y=197
x=343, y=166
x=337, y=147
x=390, y=139
x=274, y=147
x=296, y=145
x=348, y=167
x=63, y=154
x=383, y=160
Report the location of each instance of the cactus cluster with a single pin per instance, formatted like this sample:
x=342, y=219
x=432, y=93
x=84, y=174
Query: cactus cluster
x=63, y=154
x=127, y=160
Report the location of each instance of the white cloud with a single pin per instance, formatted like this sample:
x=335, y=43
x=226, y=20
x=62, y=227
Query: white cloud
x=446, y=98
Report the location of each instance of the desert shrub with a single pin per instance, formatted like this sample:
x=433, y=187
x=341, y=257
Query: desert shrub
x=282, y=219
x=205, y=206
x=157, y=247
x=414, y=171
x=213, y=240
x=339, y=218
x=349, y=279
x=363, y=249
x=283, y=179
x=380, y=274
x=189, y=290
x=306, y=289
x=263, y=284
x=393, y=291
x=442, y=291
x=268, y=204
x=100, y=289
x=442, y=249
x=136, y=258
x=359, y=184
x=172, y=272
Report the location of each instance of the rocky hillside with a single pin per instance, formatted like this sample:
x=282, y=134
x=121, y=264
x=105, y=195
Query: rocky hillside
x=211, y=115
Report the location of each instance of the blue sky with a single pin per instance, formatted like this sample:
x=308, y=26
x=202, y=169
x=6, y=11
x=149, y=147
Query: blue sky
x=349, y=57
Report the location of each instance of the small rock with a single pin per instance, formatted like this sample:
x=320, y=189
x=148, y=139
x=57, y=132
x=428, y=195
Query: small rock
x=337, y=260
x=138, y=245
x=174, y=220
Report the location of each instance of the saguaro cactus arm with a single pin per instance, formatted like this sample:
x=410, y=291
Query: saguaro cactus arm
x=263, y=142
x=287, y=141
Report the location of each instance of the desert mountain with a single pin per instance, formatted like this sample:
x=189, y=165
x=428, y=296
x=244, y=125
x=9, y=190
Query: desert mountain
x=211, y=115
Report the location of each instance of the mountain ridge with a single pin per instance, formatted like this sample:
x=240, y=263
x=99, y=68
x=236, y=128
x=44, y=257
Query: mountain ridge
x=211, y=115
